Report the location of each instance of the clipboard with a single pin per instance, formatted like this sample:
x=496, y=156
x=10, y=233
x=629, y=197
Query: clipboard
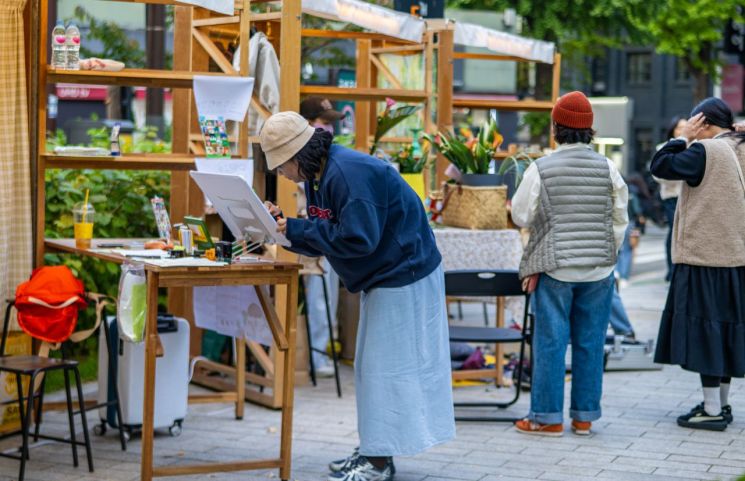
x=239, y=207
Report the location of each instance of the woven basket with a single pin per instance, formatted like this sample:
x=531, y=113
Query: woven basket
x=470, y=207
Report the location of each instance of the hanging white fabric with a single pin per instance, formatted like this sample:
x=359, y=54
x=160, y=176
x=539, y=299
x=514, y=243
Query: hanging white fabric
x=369, y=16
x=471, y=35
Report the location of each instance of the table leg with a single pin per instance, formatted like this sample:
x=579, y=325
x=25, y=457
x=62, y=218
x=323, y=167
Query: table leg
x=240, y=377
x=288, y=387
x=499, y=351
x=148, y=407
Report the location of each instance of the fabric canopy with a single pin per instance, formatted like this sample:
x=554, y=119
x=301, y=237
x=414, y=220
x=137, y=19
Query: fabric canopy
x=471, y=35
x=369, y=16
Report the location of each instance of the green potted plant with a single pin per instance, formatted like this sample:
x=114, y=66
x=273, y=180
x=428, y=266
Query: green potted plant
x=512, y=170
x=471, y=156
x=390, y=118
x=411, y=166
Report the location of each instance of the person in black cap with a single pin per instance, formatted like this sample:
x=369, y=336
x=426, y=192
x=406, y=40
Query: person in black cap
x=320, y=113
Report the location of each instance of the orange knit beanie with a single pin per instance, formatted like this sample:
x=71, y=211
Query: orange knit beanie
x=573, y=110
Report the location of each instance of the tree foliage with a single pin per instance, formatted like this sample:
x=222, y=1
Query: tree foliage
x=115, y=44
x=691, y=32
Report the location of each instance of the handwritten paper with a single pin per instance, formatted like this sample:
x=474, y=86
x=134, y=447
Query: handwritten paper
x=240, y=167
x=223, y=96
x=232, y=311
x=225, y=7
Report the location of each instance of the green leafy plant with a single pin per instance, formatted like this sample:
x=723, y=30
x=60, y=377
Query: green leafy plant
x=518, y=164
x=408, y=162
x=470, y=155
x=390, y=118
x=112, y=39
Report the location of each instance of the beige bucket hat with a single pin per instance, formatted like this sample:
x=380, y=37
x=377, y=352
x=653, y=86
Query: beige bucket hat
x=282, y=136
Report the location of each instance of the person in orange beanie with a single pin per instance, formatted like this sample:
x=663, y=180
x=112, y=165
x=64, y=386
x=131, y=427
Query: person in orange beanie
x=574, y=202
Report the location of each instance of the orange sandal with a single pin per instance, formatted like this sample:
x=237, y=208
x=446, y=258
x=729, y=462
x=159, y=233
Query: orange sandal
x=526, y=426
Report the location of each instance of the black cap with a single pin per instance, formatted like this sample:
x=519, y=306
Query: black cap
x=319, y=107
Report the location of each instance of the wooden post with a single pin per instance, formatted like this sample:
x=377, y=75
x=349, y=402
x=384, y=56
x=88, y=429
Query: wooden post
x=148, y=407
x=289, y=99
x=429, y=126
x=445, y=50
x=555, y=88
x=41, y=132
x=288, y=390
x=245, y=28
x=362, y=108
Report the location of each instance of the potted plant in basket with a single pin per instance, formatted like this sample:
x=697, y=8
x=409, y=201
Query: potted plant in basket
x=471, y=156
x=512, y=170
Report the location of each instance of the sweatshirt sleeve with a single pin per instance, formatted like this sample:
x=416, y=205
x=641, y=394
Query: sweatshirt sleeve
x=620, y=196
x=676, y=161
x=526, y=198
x=356, y=233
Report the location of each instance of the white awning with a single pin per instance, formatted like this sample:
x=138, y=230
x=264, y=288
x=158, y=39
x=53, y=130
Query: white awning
x=369, y=16
x=472, y=35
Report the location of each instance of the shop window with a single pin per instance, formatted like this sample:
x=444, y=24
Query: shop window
x=639, y=68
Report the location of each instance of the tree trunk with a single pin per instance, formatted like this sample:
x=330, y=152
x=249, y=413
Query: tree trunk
x=700, y=85
x=544, y=79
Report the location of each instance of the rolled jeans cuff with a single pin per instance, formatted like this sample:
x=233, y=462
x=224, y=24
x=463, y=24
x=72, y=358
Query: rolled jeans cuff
x=546, y=418
x=585, y=416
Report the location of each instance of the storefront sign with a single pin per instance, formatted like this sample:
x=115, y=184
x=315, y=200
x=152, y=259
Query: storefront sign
x=81, y=92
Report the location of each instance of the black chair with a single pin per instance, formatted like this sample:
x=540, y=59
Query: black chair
x=489, y=283
x=33, y=366
x=329, y=322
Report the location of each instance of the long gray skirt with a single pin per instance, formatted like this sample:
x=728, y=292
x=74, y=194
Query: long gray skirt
x=402, y=369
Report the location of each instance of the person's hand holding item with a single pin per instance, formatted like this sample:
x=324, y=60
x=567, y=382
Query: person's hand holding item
x=282, y=225
x=740, y=126
x=276, y=212
x=693, y=127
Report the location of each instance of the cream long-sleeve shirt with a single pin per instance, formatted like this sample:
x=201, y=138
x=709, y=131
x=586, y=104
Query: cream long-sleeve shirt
x=525, y=204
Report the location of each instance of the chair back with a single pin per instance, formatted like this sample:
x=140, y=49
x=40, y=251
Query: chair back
x=483, y=283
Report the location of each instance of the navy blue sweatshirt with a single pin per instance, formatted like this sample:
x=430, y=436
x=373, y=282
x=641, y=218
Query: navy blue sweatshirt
x=368, y=222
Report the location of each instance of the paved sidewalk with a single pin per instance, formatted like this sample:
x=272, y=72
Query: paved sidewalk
x=637, y=438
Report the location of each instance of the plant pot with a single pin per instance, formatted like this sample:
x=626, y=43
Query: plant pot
x=416, y=182
x=481, y=180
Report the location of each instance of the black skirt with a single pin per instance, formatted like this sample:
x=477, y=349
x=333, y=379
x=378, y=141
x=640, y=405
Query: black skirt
x=703, y=324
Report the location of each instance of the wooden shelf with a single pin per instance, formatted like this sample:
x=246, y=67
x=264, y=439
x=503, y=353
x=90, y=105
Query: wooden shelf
x=127, y=161
x=238, y=3
x=129, y=76
x=360, y=93
x=504, y=105
x=505, y=154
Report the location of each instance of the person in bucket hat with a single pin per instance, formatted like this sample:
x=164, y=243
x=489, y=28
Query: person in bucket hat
x=373, y=229
x=574, y=202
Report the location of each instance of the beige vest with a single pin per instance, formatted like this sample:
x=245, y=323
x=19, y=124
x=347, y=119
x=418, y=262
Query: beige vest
x=709, y=228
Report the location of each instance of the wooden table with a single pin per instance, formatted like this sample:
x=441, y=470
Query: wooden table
x=258, y=274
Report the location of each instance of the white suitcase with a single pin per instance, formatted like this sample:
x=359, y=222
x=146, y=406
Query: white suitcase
x=171, y=378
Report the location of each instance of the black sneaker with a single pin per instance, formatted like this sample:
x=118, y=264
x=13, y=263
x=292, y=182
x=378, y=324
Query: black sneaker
x=363, y=470
x=727, y=413
x=345, y=463
x=697, y=418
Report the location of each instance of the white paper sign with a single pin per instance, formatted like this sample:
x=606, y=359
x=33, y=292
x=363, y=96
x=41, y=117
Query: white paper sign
x=223, y=96
x=232, y=311
x=240, y=167
x=226, y=7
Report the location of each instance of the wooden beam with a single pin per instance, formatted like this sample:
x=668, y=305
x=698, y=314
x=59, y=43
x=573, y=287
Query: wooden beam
x=271, y=317
x=266, y=363
x=383, y=68
x=215, y=54
x=244, y=39
x=256, y=104
x=343, y=35
x=362, y=108
x=182, y=470
x=210, y=22
x=129, y=76
x=403, y=49
x=364, y=94
x=491, y=56
x=445, y=52
x=41, y=133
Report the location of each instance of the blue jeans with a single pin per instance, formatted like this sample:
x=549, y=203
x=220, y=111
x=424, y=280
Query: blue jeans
x=577, y=311
x=625, y=256
x=619, y=320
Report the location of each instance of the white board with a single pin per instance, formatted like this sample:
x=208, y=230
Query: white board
x=239, y=207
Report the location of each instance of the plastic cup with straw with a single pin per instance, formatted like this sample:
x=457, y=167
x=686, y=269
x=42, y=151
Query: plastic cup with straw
x=83, y=214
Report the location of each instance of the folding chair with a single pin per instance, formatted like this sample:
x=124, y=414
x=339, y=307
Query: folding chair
x=489, y=283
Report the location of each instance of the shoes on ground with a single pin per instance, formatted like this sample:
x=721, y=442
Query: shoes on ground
x=325, y=370
x=581, y=428
x=346, y=463
x=698, y=418
x=526, y=426
x=361, y=469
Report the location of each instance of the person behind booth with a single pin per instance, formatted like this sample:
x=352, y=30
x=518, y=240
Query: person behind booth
x=373, y=229
x=320, y=113
x=703, y=323
x=575, y=203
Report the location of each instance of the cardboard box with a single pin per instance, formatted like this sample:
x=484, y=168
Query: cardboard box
x=18, y=344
